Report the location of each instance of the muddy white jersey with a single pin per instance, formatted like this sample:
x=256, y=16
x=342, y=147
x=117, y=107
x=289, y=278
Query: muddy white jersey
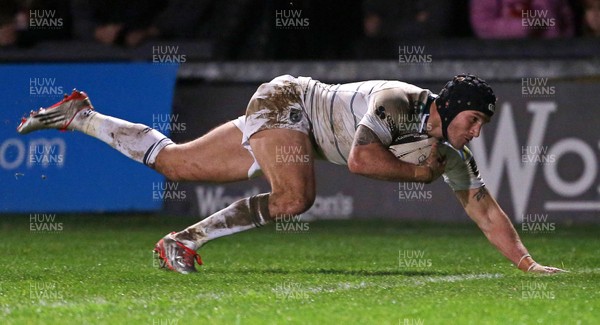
x=391, y=109
x=388, y=108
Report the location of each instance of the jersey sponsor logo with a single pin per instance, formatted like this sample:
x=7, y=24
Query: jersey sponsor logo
x=295, y=115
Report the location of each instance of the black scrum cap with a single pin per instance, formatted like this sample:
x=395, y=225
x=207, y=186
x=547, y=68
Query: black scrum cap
x=463, y=93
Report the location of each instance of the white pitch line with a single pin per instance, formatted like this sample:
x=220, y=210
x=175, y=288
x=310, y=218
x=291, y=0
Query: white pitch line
x=586, y=270
x=343, y=286
x=458, y=278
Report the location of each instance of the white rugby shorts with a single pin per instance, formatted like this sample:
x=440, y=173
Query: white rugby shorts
x=277, y=104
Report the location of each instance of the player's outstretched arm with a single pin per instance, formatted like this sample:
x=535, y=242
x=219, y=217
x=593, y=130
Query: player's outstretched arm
x=370, y=158
x=495, y=224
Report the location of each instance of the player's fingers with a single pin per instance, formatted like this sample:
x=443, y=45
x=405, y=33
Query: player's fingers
x=550, y=269
x=545, y=269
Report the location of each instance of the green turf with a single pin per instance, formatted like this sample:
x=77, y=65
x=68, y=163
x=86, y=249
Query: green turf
x=100, y=270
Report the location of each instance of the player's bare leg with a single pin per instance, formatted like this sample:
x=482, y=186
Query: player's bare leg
x=218, y=156
x=274, y=121
x=292, y=192
x=292, y=183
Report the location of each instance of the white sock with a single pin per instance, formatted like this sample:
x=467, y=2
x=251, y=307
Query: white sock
x=136, y=141
x=241, y=215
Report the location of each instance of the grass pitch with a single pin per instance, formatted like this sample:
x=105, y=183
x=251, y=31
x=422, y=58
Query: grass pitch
x=100, y=270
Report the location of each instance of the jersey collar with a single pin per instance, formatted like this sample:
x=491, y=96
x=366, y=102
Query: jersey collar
x=425, y=113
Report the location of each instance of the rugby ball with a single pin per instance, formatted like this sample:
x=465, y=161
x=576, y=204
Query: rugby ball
x=412, y=148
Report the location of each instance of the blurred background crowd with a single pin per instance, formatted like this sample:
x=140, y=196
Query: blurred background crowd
x=333, y=29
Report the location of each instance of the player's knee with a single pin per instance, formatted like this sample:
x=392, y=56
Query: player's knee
x=290, y=203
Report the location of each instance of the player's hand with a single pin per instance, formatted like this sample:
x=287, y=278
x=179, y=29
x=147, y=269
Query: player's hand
x=537, y=268
x=436, y=163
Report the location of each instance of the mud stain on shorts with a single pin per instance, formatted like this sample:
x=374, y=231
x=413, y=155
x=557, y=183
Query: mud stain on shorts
x=275, y=101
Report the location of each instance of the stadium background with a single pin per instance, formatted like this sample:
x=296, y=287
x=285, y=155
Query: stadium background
x=78, y=219
x=539, y=155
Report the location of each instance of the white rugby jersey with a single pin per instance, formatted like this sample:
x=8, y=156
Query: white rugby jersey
x=389, y=108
